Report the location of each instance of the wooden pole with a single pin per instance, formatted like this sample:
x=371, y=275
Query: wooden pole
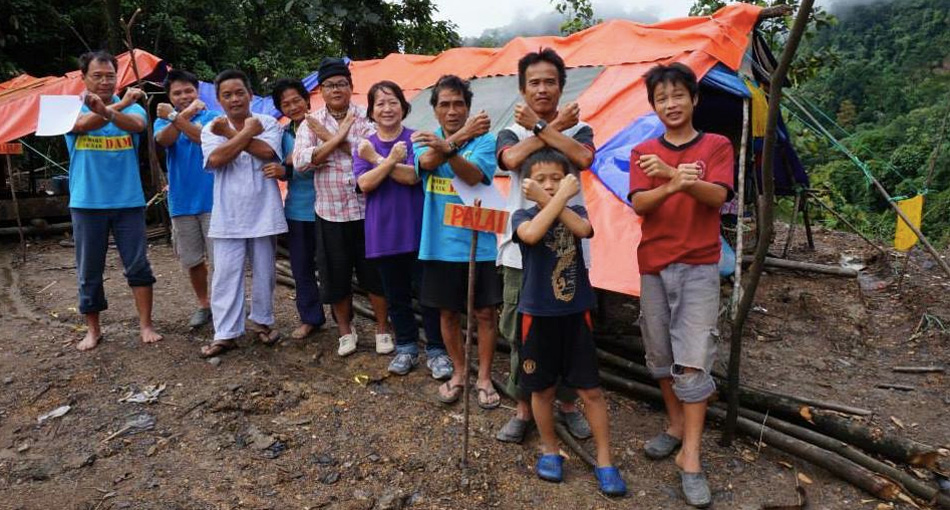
x=740, y=215
x=765, y=226
x=850, y=225
x=16, y=208
x=806, y=266
x=791, y=225
x=806, y=221
x=469, y=333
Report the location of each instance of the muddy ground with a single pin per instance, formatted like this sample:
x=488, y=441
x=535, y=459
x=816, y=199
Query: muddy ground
x=296, y=427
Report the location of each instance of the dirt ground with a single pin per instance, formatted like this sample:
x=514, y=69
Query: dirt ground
x=296, y=427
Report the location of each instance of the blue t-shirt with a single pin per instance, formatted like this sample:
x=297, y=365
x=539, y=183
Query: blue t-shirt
x=104, y=166
x=190, y=187
x=443, y=242
x=555, y=281
x=301, y=195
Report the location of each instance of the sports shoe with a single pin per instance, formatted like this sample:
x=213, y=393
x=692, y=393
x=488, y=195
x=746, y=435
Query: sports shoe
x=610, y=481
x=384, y=343
x=201, y=317
x=441, y=367
x=402, y=364
x=347, y=344
x=576, y=423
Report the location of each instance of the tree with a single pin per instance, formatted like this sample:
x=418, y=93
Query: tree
x=579, y=15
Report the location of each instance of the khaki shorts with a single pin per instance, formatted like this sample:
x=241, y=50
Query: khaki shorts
x=190, y=239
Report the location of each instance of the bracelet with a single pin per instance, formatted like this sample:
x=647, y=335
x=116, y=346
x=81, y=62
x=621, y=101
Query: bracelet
x=453, y=150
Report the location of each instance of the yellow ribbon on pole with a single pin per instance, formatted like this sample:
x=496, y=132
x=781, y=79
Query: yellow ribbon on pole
x=904, y=237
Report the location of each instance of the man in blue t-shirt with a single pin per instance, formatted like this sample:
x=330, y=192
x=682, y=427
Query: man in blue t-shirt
x=462, y=147
x=190, y=187
x=106, y=194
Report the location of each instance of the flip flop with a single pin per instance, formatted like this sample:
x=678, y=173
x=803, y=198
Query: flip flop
x=217, y=348
x=265, y=334
x=485, y=403
x=454, y=392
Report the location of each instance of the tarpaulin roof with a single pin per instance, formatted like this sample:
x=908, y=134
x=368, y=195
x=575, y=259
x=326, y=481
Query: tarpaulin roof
x=20, y=97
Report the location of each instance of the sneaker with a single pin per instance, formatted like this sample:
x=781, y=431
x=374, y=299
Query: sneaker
x=402, y=364
x=576, y=423
x=441, y=367
x=201, y=317
x=347, y=344
x=384, y=343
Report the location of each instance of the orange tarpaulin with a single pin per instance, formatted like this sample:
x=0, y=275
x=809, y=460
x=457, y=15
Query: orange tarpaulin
x=20, y=97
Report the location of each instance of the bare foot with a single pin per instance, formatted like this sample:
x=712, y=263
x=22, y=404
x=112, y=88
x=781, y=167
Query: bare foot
x=89, y=342
x=303, y=331
x=149, y=335
x=689, y=463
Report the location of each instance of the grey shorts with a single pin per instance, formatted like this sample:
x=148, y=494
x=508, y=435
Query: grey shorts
x=679, y=315
x=190, y=239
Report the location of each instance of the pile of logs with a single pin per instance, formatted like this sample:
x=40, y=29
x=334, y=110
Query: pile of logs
x=835, y=437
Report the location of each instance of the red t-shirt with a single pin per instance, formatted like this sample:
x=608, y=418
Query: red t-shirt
x=682, y=230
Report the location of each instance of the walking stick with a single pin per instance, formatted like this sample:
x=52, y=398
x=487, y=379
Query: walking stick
x=469, y=333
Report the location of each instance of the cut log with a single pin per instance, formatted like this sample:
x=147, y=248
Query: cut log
x=920, y=370
x=806, y=266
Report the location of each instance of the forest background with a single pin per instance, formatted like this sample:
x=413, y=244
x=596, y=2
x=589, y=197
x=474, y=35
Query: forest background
x=876, y=74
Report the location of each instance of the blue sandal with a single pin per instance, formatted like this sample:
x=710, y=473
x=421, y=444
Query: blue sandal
x=610, y=481
x=550, y=467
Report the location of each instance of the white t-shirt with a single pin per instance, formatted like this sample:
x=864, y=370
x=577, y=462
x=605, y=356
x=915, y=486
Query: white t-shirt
x=509, y=253
x=246, y=203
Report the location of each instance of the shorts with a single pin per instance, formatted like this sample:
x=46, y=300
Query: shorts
x=190, y=239
x=556, y=349
x=445, y=285
x=341, y=250
x=679, y=314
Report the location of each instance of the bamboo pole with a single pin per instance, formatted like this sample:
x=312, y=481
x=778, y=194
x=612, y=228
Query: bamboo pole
x=16, y=208
x=765, y=226
x=469, y=333
x=850, y=225
x=740, y=216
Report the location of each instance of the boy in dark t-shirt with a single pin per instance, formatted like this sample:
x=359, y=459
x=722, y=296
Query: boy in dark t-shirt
x=556, y=298
x=678, y=182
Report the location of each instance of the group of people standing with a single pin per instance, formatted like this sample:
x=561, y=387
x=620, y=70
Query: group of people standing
x=367, y=195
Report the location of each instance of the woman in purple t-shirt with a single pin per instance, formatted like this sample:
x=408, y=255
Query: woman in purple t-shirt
x=384, y=168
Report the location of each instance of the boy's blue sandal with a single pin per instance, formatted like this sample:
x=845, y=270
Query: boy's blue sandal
x=610, y=481
x=550, y=467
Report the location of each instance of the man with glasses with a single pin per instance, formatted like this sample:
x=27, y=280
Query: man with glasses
x=106, y=196
x=325, y=144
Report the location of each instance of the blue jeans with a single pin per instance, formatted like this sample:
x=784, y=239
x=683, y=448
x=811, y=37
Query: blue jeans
x=398, y=274
x=302, y=241
x=91, y=228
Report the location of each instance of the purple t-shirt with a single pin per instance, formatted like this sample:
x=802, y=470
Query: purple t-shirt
x=393, y=210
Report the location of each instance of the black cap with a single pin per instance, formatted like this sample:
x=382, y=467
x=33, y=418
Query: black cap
x=330, y=67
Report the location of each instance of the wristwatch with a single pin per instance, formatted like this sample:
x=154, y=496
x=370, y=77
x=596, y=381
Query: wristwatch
x=539, y=127
x=172, y=116
x=453, y=149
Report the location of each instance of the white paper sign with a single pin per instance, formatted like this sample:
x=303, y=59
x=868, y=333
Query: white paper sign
x=58, y=115
x=488, y=193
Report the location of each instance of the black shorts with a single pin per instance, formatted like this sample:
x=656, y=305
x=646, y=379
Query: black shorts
x=557, y=348
x=341, y=249
x=445, y=285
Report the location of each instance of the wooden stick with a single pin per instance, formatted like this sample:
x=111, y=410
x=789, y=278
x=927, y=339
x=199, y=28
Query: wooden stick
x=806, y=266
x=791, y=226
x=853, y=228
x=740, y=216
x=469, y=333
x=920, y=370
x=893, y=386
x=16, y=208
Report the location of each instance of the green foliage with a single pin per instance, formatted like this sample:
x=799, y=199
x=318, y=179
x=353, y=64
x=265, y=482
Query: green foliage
x=890, y=94
x=579, y=15
x=266, y=38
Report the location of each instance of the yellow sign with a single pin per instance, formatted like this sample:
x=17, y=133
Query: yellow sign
x=904, y=237
x=441, y=185
x=104, y=143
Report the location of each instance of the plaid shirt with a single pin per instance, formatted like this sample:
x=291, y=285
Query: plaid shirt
x=337, y=199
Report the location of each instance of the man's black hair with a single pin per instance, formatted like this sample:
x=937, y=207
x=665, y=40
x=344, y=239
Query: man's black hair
x=231, y=74
x=546, y=55
x=451, y=82
x=675, y=73
x=283, y=85
x=546, y=155
x=179, y=75
x=389, y=86
x=97, y=56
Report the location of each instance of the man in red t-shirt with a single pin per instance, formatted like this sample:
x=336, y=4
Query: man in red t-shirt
x=678, y=182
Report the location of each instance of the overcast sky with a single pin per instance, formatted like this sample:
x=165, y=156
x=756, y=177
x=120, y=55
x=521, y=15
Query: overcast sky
x=475, y=16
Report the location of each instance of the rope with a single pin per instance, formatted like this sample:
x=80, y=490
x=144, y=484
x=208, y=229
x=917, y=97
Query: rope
x=40, y=154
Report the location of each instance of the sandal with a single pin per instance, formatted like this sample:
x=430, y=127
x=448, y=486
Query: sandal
x=491, y=398
x=451, y=393
x=265, y=334
x=217, y=348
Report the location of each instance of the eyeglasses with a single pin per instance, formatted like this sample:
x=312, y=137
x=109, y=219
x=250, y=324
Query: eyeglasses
x=336, y=85
x=108, y=78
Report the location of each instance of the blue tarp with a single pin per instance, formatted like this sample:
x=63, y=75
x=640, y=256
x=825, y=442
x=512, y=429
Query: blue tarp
x=259, y=104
